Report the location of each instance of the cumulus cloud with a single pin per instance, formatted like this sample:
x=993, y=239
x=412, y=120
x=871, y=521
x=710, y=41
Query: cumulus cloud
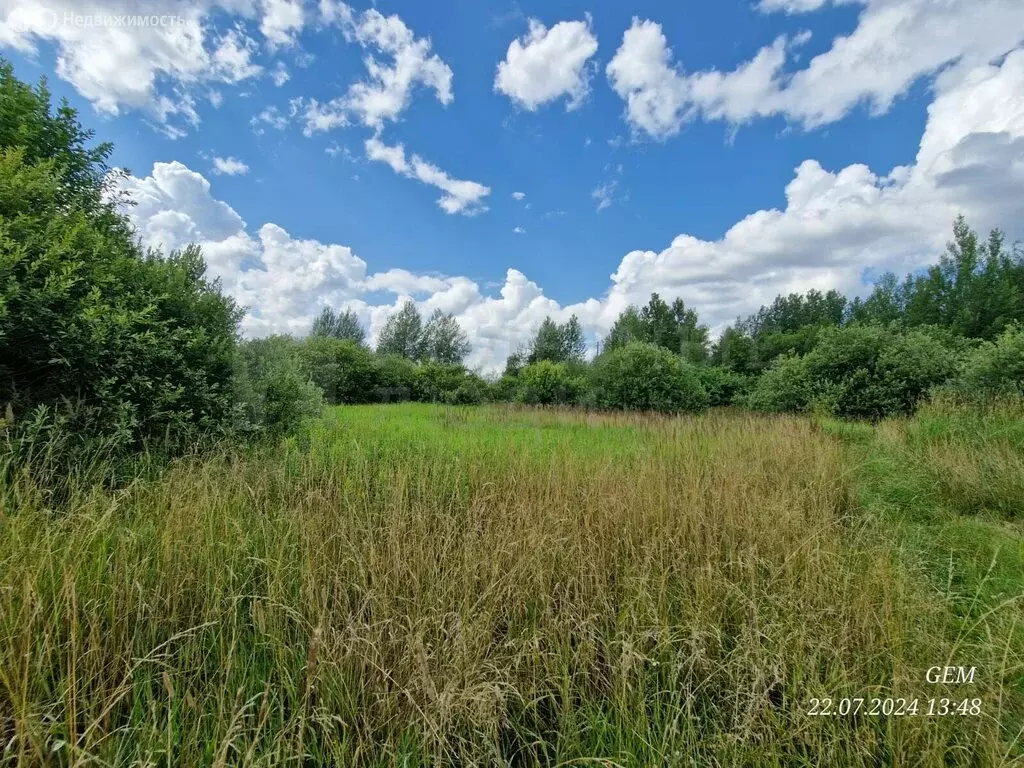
x=117, y=66
x=282, y=21
x=229, y=166
x=460, y=196
x=385, y=94
x=837, y=229
x=518, y=195
x=547, y=64
x=892, y=47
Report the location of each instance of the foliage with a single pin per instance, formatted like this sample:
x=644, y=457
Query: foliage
x=674, y=328
x=724, y=386
x=735, y=351
x=785, y=386
x=438, y=382
x=557, y=343
x=472, y=391
x=858, y=372
x=443, y=341
x=995, y=368
x=871, y=371
x=396, y=377
x=976, y=290
x=274, y=394
x=549, y=383
x=345, y=371
x=402, y=334
x=143, y=342
x=645, y=377
x=344, y=325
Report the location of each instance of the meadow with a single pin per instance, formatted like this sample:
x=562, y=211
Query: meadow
x=439, y=585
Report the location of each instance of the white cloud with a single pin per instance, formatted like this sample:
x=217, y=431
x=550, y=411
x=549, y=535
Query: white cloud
x=118, y=67
x=546, y=64
x=385, y=94
x=518, y=195
x=282, y=22
x=280, y=74
x=797, y=6
x=229, y=166
x=320, y=118
x=519, y=230
x=270, y=116
x=892, y=47
x=604, y=194
x=460, y=196
x=837, y=227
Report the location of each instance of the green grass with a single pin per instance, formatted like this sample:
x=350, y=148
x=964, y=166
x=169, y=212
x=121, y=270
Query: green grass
x=422, y=585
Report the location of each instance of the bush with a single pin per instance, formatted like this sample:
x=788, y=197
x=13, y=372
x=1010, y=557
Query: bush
x=549, y=383
x=995, y=368
x=344, y=370
x=724, y=387
x=472, y=391
x=274, y=394
x=396, y=379
x=645, y=377
x=437, y=382
x=871, y=371
x=141, y=342
x=858, y=372
x=785, y=386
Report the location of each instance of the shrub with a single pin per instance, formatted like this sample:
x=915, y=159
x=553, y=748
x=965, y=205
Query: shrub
x=437, y=382
x=724, y=387
x=143, y=343
x=995, y=368
x=274, y=394
x=785, y=386
x=396, y=379
x=549, y=383
x=344, y=370
x=472, y=391
x=644, y=377
x=871, y=371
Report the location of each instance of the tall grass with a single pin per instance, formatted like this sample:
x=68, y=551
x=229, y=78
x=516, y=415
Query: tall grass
x=414, y=585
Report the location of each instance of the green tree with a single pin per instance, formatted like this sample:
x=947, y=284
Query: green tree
x=143, y=343
x=345, y=371
x=646, y=377
x=735, y=351
x=558, y=343
x=995, y=367
x=785, y=386
x=344, y=325
x=549, y=383
x=629, y=326
x=273, y=392
x=443, y=340
x=402, y=334
x=692, y=336
x=675, y=328
x=872, y=371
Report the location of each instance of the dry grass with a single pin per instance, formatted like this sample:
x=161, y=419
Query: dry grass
x=410, y=585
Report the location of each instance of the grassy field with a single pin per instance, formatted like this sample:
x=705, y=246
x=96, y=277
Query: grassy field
x=418, y=585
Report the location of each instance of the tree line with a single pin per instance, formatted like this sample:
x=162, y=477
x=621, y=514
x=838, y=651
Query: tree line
x=101, y=339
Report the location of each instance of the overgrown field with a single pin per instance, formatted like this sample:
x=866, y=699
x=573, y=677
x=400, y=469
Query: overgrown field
x=423, y=585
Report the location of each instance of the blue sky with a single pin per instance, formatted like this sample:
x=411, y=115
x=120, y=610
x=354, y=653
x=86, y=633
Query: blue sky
x=722, y=152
